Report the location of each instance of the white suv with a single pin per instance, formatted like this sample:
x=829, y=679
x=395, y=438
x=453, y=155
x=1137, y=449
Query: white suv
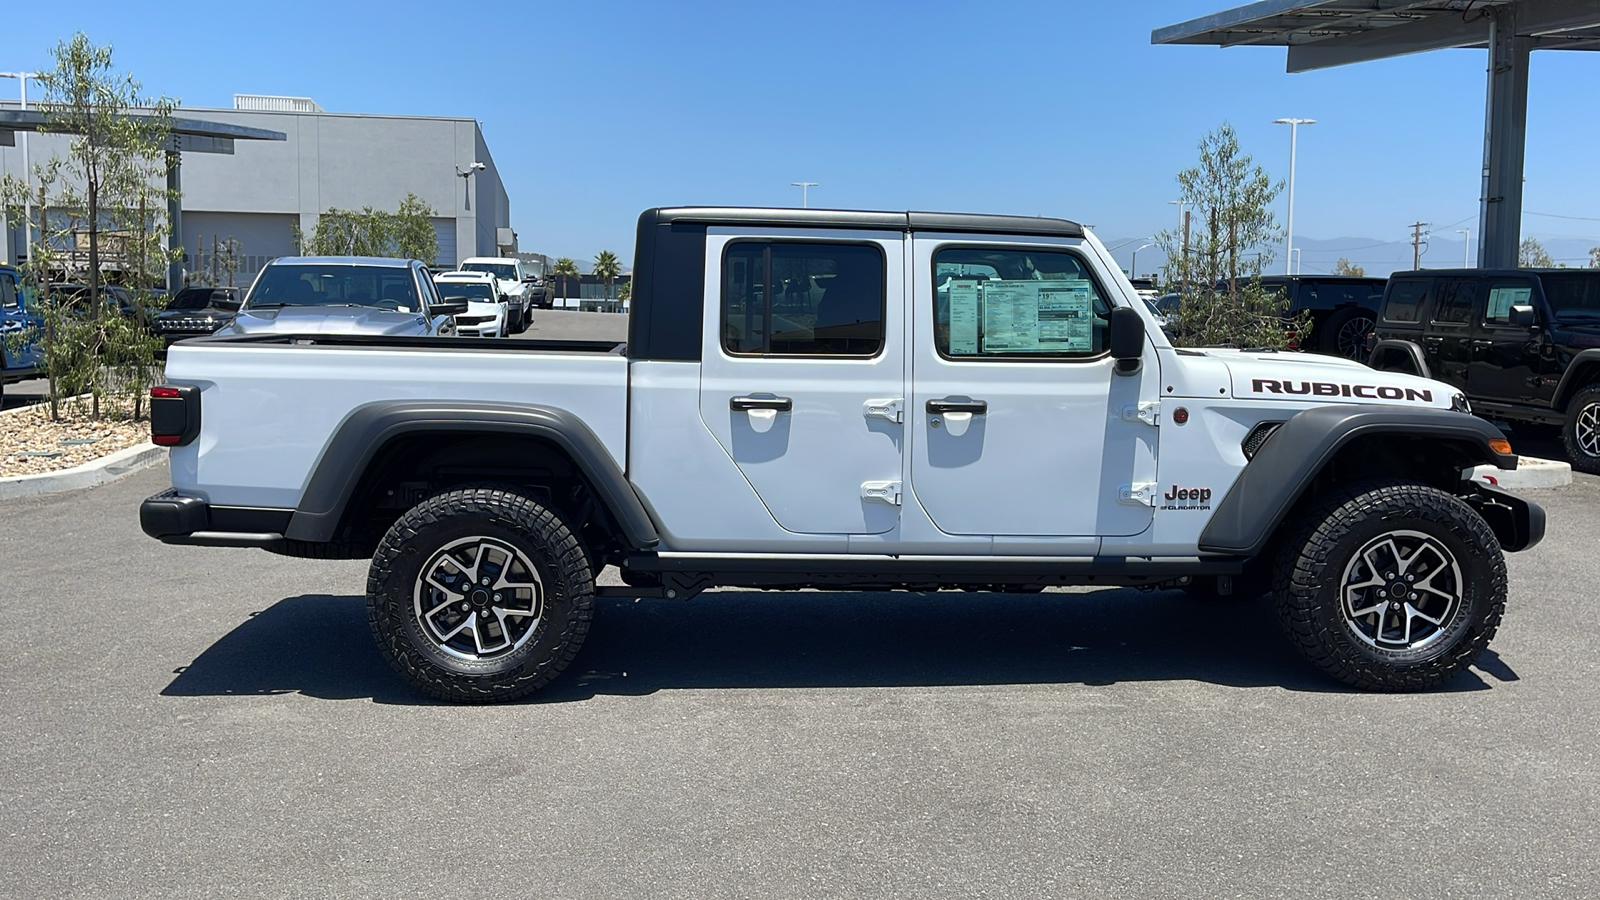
x=487, y=313
x=513, y=281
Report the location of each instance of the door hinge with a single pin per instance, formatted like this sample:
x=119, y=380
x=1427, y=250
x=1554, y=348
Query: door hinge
x=1146, y=411
x=1142, y=493
x=882, y=491
x=892, y=409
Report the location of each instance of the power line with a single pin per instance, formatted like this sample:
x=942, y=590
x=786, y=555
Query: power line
x=1527, y=212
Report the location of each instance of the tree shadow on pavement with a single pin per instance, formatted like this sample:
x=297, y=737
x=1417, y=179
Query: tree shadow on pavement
x=320, y=645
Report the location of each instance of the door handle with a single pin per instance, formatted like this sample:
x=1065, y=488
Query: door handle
x=781, y=404
x=940, y=407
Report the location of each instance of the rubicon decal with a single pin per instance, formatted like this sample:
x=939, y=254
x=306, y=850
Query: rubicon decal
x=1187, y=498
x=1332, y=389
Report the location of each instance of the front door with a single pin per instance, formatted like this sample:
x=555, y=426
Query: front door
x=1508, y=361
x=1021, y=427
x=802, y=374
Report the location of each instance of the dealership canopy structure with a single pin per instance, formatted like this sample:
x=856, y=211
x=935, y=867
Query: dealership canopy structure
x=1325, y=33
x=186, y=136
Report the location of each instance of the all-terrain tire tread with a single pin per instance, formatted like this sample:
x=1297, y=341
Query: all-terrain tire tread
x=1303, y=566
x=550, y=536
x=1581, y=461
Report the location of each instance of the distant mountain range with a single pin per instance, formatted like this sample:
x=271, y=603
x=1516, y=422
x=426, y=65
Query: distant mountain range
x=1377, y=257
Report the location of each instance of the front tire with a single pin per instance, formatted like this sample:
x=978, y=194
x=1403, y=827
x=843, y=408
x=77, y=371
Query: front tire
x=1391, y=586
x=1581, y=432
x=479, y=595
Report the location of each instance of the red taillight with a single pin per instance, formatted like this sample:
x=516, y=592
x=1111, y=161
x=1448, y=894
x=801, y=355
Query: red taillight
x=164, y=392
x=174, y=415
x=166, y=440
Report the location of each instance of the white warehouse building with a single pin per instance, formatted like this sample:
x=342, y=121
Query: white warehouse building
x=264, y=189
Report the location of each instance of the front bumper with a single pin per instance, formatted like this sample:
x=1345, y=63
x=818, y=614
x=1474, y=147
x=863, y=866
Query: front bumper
x=1517, y=523
x=174, y=518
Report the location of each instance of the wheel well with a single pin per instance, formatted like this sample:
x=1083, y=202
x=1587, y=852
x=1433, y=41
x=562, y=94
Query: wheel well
x=1396, y=456
x=412, y=467
x=1587, y=375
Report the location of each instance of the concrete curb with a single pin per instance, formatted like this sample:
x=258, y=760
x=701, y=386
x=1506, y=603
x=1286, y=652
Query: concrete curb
x=106, y=468
x=1531, y=472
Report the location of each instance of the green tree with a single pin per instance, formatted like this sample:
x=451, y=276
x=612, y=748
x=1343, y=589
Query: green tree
x=407, y=233
x=565, y=268
x=606, y=268
x=625, y=291
x=1532, y=255
x=1346, y=267
x=98, y=212
x=1217, y=271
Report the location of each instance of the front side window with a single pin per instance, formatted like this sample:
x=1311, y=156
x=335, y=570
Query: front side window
x=8, y=291
x=1505, y=293
x=802, y=299
x=1031, y=304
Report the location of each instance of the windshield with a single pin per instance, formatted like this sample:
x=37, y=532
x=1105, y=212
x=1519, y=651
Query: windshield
x=191, y=298
x=1574, y=296
x=465, y=290
x=383, y=287
x=502, y=271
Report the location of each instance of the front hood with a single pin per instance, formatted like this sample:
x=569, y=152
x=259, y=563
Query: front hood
x=482, y=308
x=510, y=287
x=327, y=320
x=1325, y=379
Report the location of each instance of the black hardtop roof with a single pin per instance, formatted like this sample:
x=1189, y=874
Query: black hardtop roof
x=1320, y=277
x=1546, y=270
x=976, y=223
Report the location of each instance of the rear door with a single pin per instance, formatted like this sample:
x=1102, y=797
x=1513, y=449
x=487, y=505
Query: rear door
x=1448, y=334
x=802, y=374
x=20, y=323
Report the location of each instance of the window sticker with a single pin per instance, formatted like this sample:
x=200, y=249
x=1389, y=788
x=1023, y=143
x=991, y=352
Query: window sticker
x=1501, y=299
x=964, y=317
x=1037, y=316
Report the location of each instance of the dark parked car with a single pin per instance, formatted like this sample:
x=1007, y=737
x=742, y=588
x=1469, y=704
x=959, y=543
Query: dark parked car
x=1343, y=309
x=20, y=326
x=196, y=311
x=1522, y=344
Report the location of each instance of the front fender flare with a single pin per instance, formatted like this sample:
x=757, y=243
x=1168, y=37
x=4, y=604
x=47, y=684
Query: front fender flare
x=1286, y=464
x=345, y=459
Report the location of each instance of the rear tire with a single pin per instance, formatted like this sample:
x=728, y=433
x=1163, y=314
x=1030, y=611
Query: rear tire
x=1581, y=432
x=479, y=595
x=1391, y=586
x=1345, y=334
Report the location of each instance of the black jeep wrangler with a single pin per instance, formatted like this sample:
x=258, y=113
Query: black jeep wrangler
x=1522, y=344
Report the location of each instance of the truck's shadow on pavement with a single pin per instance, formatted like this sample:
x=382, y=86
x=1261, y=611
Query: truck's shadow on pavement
x=320, y=646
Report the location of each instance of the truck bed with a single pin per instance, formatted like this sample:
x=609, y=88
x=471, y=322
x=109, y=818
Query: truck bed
x=271, y=403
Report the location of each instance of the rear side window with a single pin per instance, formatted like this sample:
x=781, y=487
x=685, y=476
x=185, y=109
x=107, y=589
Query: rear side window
x=1405, y=300
x=1456, y=301
x=802, y=299
x=1016, y=303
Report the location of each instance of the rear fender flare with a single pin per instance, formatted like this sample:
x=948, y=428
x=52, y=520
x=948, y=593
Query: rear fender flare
x=366, y=430
x=1584, y=362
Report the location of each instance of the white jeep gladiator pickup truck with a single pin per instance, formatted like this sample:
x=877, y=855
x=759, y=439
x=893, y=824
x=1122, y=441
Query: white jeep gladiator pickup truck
x=847, y=400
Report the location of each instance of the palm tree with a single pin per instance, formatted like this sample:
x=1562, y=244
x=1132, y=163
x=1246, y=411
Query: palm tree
x=563, y=268
x=606, y=268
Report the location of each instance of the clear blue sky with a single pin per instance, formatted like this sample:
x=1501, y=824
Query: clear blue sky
x=596, y=110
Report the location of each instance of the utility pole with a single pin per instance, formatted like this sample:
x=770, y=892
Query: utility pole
x=803, y=186
x=1416, y=243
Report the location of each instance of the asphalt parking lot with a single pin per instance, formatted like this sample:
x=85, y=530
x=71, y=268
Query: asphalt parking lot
x=185, y=722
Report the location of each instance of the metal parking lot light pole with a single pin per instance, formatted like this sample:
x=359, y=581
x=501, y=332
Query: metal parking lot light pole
x=27, y=176
x=1466, y=254
x=803, y=186
x=1133, y=264
x=1288, y=248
